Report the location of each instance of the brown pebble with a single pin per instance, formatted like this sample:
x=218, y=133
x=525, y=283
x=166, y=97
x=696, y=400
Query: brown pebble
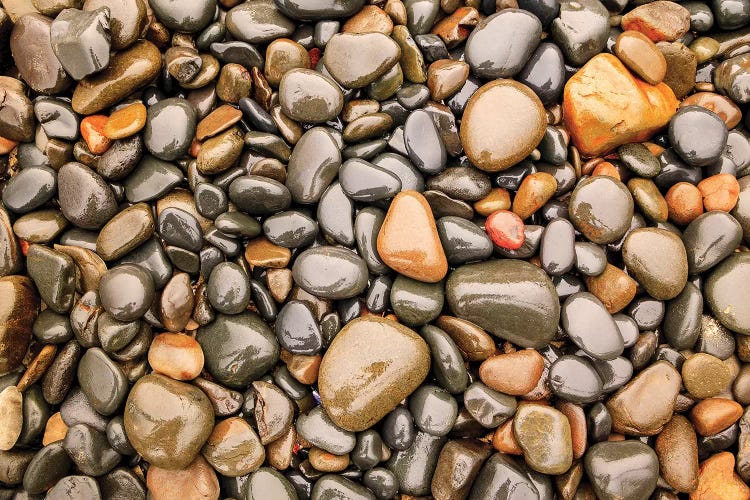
x=722, y=106
x=720, y=192
x=641, y=56
x=92, y=131
x=369, y=19
x=606, y=168
x=396, y=10
x=327, y=462
x=234, y=83
x=577, y=420
x=516, y=373
x=659, y=21
x=445, y=77
x=475, y=344
x=456, y=28
x=283, y=55
x=176, y=355
x=261, y=252
x=684, y=203
x=54, y=430
x=504, y=439
x=280, y=283
x=37, y=367
x=219, y=120
x=279, y=453
x=613, y=287
x=533, y=193
x=498, y=199
x=196, y=481
x=713, y=415
x=301, y=367
x=704, y=375
x=677, y=449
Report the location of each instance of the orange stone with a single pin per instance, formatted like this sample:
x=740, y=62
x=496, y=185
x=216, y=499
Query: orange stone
x=717, y=480
x=445, y=77
x=6, y=145
x=55, y=430
x=515, y=373
x=176, y=355
x=713, y=415
x=456, y=28
x=498, y=199
x=605, y=106
x=606, y=168
x=684, y=202
x=126, y=121
x=535, y=190
x=196, y=481
x=303, y=368
x=327, y=462
x=578, y=432
x=217, y=121
x=720, y=192
x=613, y=287
x=408, y=241
x=92, y=130
x=504, y=439
x=722, y=106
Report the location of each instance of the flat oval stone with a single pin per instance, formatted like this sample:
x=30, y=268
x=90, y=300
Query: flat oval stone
x=30, y=188
x=258, y=22
x=85, y=199
x=697, y=135
x=495, y=140
x=167, y=421
x=75, y=486
x=125, y=231
x=219, y=153
x=126, y=292
x=557, y=251
x=330, y=272
x=333, y=485
x=590, y=326
x=313, y=164
x=543, y=434
x=102, y=381
x=308, y=96
x=238, y=349
x=258, y=195
x=185, y=18
x=709, y=239
x=726, y=289
x=511, y=299
x=365, y=182
x=322, y=9
x=90, y=451
x=601, y=208
x=502, y=43
x=354, y=401
x=658, y=261
x=317, y=427
x=434, y=410
x=128, y=71
x=32, y=52
x=625, y=469
x=358, y=59
x=228, y=288
x=408, y=241
x=170, y=128
x=572, y=378
x=462, y=240
x=423, y=143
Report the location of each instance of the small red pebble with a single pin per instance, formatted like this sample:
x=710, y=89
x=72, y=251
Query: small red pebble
x=505, y=229
x=314, y=54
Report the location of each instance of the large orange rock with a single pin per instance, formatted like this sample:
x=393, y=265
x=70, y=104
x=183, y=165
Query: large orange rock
x=605, y=106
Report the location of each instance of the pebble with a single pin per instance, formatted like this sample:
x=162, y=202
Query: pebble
x=233, y=448
x=54, y=275
x=125, y=231
x=423, y=143
x=356, y=60
x=624, y=469
x=665, y=277
x=574, y=379
x=725, y=288
x=408, y=241
x=176, y=355
x=518, y=290
x=720, y=192
x=716, y=478
x=590, y=326
x=415, y=302
x=434, y=410
x=514, y=373
x=709, y=239
x=641, y=56
x=11, y=417
x=714, y=415
x=660, y=21
x=553, y=453
x=355, y=402
x=81, y=41
x=167, y=421
x=85, y=198
x=448, y=482
x=713, y=135
x=186, y=19
x=487, y=406
x=677, y=449
x=126, y=292
x=330, y=272
x=516, y=131
x=102, y=381
x=170, y=127
x=645, y=404
x=30, y=44
x=308, y=96
x=601, y=208
x=704, y=375
x=580, y=30
x=196, y=479
x=626, y=109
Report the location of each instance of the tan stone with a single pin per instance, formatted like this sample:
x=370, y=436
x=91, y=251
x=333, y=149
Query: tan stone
x=677, y=450
x=515, y=373
x=718, y=481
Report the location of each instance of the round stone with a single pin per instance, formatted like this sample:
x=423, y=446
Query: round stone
x=697, y=135
x=228, y=288
x=658, y=261
x=601, y=208
x=543, y=434
x=330, y=272
x=308, y=96
x=126, y=292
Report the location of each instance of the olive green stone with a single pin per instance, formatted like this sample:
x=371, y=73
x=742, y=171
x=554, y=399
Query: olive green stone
x=416, y=302
x=167, y=421
x=54, y=275
x=543, y=433
x=125, y=231
x=658, y=261
x=310, y=97
x=128, y=71
x=727, y=292
x=357, y=59
x=102, y=381
x=387, y=85
x=371, y=365
x=625, y=470
x=412, y=60
x=709, y=239
x=511, y=299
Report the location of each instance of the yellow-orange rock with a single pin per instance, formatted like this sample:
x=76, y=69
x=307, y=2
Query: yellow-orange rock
x=408, y=241
x=718, y=481
x=605, y=106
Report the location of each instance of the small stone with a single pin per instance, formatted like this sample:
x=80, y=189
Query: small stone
x=505, y=229
x=515, y=373
x=233, y=448
x=717, y=479
x=11, y=417
x=704, y=375
x=641, y=56
x=195, y=480
x=684, y=203
x=625, y=469
x=720, y=192
x=663, y=277
x=543, y=434
x=660, y=20
x=713, y=415
x=125, y=121
x=355, y=60
x=677, y=449
x=535, y=191
x=176, y=355
x=81, y=40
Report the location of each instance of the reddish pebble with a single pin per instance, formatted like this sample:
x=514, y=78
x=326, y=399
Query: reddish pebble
x=720, y=192
x=6, y=145
x=92, y=130
x=505, y=229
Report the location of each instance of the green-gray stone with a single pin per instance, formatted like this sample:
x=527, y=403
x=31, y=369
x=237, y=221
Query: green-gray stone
x=709, y=239
x=54, y=274
x=416, y=302
x=727, y=291
x=624, y=470
x=102, y=381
